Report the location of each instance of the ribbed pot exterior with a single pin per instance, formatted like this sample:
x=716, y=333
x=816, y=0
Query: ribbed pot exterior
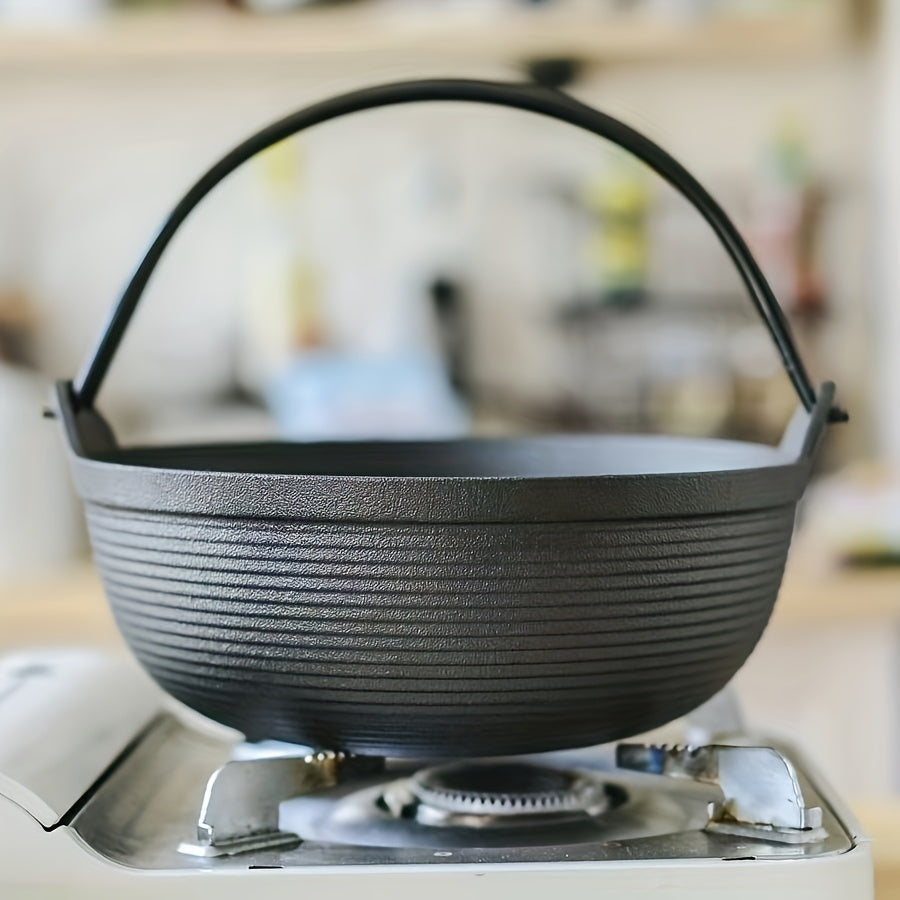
x=443, y=638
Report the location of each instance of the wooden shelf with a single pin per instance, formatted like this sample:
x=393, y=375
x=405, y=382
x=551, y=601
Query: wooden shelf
x=210, y=34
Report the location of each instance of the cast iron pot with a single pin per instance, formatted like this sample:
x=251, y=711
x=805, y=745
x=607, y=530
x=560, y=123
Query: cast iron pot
x=444, y=598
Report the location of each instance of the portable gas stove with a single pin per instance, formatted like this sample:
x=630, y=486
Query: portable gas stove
x=106, y=786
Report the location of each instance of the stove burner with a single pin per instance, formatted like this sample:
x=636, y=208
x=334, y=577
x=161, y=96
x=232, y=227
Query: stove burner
x=499, y=794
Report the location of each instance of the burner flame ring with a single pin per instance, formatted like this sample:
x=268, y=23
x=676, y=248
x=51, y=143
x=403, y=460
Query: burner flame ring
x=503, y=792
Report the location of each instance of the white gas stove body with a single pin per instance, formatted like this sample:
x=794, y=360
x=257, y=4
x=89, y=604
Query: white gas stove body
x=75, y=726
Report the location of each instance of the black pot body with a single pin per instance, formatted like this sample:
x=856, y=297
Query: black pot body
x=473, y=598
x=430, y=615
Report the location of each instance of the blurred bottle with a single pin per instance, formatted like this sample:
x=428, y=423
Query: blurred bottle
x=785, y=215
x=618, y=247
x=786, y=208
x=281, y=312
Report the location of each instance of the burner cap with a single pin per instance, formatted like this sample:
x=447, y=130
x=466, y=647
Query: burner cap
x=503, y=791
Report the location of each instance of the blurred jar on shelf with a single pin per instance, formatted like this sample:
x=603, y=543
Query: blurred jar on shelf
x=40, y=526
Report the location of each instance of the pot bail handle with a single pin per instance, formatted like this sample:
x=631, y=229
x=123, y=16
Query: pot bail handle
x=528, y=97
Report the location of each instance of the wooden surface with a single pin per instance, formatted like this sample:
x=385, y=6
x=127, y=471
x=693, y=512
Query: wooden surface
x=61, y=608
x=208, y=33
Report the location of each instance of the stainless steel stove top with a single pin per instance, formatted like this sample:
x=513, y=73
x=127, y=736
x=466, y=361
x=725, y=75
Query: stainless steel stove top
x=145, y=815
x=133, y=782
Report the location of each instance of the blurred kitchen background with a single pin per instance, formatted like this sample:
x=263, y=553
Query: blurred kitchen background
x=437, y=271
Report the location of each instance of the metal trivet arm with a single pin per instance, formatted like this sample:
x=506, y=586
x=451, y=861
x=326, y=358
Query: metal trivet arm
x=762, y=794
x=240, y=805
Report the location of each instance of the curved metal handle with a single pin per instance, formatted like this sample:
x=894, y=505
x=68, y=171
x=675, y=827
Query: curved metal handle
x=528, y=97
